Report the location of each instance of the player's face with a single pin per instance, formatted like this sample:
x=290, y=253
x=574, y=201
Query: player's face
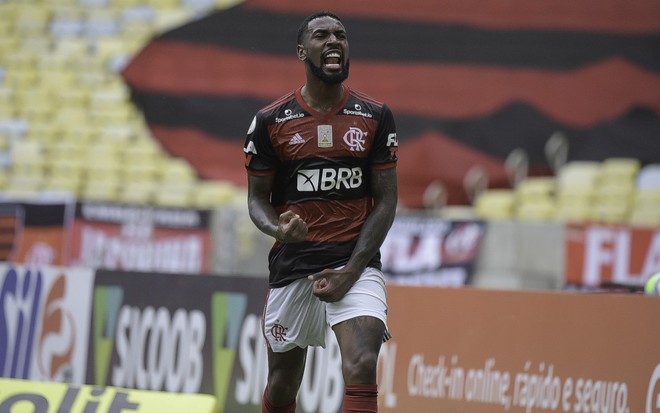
x=326, y=49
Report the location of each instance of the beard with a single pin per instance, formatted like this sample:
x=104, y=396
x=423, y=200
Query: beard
x=331, y=79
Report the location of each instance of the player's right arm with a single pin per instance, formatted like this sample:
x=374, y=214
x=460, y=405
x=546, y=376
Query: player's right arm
x=285, y=227
x=261, y=162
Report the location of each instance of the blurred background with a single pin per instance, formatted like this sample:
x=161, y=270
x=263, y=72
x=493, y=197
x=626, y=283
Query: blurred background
x=529, y=136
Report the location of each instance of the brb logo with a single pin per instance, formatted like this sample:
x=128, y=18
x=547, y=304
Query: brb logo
x=326, y=179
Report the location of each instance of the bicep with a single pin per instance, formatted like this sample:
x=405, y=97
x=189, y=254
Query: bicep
x=259, y=188
x=384, y=186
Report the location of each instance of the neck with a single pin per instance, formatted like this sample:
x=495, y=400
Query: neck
x=322, y=96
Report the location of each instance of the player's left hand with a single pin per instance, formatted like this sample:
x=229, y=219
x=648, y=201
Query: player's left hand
x=331, y=285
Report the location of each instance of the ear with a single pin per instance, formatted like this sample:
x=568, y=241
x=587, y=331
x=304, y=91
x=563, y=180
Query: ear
x=302, y=54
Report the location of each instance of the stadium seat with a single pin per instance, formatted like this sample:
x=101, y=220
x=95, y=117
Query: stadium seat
x=539, y=210
x=141, y=193
x=70, y=184
x=495, y=204
x=43, y=131
x=177, y=171
x=72, y=47
x=213, y=194
x=536, y=188
x=143, y=172
x=169, y=18
x=646, y=207
x=618, y=171
x=535, y=199
x=645, y=218
x=613, y=202
x=175, y=195
x=32, y=19
x=575, y=212
x=578, y=174
x=100, y=191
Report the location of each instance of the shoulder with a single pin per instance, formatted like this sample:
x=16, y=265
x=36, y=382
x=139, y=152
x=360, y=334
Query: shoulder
x=358, y=95
x=278, y=105
x=362, y=104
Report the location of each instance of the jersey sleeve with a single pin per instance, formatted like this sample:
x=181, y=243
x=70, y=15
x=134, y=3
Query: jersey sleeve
x=384, y=154
x=260, y=157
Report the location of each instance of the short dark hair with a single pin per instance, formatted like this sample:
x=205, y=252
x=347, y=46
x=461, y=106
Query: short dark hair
x=305, y=24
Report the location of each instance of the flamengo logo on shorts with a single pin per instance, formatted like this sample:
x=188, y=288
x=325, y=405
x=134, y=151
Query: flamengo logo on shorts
x=278, y=331
x=315, y=180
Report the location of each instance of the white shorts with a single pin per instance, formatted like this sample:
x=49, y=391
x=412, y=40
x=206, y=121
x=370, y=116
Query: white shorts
x=295, y=317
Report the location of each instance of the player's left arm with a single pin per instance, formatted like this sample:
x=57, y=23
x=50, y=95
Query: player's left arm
x=385, y=194
x=331, y=285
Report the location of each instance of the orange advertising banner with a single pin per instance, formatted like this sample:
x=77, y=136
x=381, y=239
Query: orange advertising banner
x=35, y=232
x=480, y=351
x=598, y=255
x=141, y=238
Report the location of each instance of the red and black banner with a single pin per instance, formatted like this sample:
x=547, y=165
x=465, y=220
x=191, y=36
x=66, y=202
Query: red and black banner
x=468, y=80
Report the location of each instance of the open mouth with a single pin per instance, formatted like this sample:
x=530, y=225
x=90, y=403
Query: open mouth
x=332, y=61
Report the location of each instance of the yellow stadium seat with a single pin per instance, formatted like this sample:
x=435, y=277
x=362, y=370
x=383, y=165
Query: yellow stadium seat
x=100, y=191
x=645, y=218
x=112, y=116
x=169, y=18
x=495, y=204
x=6, y=95
x=141, y=172
x=54, y=62
x=108, y=47
x=577, y=212
x=537, y=210
x=43, y=131
x=578, y=174
x=213, y=194
x=536, y=188
x=39, y=112
x=178, y=171
x=174, y=195
x=69, y=184
x=67, y=168
x=141, y=193
x=37, y=44
x=647, y=198
x=618, y=171
x=21, y=78
x=32, y=19
x=58, y=80
x=109, y=97
x=72, y=97
x=72, y=47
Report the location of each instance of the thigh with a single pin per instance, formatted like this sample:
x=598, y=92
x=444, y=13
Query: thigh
x=285, y=373
x=359, y=340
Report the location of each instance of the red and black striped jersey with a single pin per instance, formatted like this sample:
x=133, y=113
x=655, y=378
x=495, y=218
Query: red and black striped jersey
x=321, y=165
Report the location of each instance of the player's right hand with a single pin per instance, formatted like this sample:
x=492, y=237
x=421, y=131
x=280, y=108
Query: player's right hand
x=290, y=227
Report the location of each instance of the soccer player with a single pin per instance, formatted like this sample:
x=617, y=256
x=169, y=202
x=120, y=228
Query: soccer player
x=321, y=164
